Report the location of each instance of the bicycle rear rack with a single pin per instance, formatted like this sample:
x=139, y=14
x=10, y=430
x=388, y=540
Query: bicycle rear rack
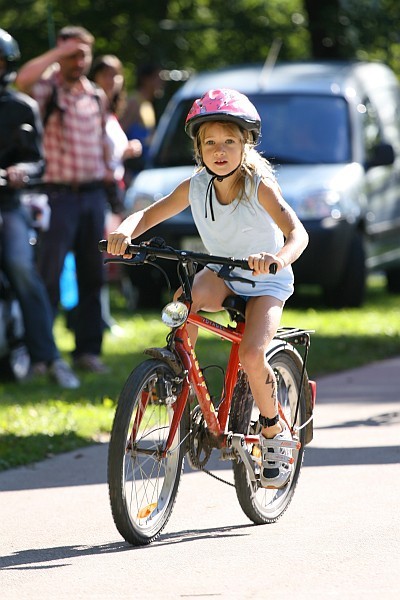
x=297, y=336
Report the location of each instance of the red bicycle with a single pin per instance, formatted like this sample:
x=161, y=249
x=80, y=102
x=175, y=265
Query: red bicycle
x=165, y=411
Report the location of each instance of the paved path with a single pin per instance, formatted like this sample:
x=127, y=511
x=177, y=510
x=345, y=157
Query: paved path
x=340, y=537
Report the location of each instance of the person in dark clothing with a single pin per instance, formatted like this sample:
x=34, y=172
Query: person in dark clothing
x=139, y=118
x=77, y=170
x=21, y=160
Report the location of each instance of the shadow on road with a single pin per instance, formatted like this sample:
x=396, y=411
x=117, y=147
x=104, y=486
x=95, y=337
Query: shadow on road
x=368, y=455
x=59, y=556
x=30, y=559
x=391, y=418
x=89, y=468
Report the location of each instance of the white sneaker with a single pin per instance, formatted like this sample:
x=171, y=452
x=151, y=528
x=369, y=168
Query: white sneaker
x=276, y=466
x=62, y=374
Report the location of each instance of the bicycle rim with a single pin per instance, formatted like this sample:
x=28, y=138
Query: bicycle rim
x=267, y=505
x=143, y=484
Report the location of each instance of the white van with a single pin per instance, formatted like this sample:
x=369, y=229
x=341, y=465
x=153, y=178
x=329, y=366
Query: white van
x=332, y=131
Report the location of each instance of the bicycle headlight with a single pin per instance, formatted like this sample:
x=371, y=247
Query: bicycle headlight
x=174, y=314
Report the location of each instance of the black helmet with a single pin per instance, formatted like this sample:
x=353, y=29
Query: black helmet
x=9, y=50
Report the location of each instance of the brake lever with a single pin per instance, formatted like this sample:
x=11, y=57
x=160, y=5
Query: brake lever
x=273, y=267
x=224, y=273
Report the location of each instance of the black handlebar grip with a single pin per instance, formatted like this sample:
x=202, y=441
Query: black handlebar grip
x=273, y=267
x=102, y=246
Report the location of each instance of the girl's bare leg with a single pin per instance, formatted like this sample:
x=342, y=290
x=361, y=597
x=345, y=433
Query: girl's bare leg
x=263, y=315
x=208, y=294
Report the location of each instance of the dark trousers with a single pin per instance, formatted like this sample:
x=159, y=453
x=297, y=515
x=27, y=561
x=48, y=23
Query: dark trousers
x=77, y=224
x=17, y=260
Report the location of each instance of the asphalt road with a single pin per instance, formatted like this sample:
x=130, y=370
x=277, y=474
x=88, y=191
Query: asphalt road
x=340, y=537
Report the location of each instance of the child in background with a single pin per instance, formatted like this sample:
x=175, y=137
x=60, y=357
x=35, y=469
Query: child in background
x=107, y=73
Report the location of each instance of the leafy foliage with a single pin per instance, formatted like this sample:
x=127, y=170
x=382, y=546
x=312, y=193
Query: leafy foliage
x=204, y=34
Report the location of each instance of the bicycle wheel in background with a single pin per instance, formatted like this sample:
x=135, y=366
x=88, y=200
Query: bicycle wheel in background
x=143, y=484
x=259, y=504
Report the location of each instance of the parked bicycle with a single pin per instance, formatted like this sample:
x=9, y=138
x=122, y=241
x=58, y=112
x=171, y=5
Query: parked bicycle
x=165, y=411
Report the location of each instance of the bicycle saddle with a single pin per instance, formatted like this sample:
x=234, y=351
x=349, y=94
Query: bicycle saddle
x=235, y=307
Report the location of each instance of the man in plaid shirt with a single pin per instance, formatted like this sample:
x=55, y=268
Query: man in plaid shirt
x=76, y=170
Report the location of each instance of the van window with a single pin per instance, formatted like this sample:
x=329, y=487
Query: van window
x=176, y=149
x=296, y=129
x=304, y=129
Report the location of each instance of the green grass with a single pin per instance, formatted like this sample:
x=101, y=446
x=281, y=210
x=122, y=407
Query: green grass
x=37, y=419
x=349, y=338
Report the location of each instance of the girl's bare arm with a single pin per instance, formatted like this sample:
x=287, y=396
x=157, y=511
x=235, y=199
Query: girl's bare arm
x=296, y=237
x=141, y=221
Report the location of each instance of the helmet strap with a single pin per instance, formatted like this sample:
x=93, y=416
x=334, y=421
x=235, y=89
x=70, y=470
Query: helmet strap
x=209, y=196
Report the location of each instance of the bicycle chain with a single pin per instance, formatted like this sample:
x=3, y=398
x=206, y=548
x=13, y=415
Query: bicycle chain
x=217, y=478
x=194, y=452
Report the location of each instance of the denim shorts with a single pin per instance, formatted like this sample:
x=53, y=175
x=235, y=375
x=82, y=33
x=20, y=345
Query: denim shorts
x=280, y=286
x=277, y=289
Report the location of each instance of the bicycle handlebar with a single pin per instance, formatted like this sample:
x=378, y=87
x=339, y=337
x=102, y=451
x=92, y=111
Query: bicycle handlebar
x=184, y=256
x=28, y=181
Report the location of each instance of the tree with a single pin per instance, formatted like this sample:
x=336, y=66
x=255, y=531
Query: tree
x=187, y=35
x=327, y=29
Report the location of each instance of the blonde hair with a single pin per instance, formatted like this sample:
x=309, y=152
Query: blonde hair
x=252, y=163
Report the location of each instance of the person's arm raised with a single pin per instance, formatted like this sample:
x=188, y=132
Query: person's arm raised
x=32, y=71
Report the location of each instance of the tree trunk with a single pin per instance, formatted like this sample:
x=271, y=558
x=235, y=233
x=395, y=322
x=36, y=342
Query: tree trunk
x=328, y=34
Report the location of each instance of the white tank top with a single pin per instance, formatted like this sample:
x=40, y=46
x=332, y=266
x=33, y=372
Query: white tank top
x=241, y=228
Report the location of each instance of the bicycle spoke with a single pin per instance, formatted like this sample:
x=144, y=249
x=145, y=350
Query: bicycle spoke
x=143, y=503
x=263, y=505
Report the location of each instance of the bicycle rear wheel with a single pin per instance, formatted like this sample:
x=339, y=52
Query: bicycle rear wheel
x=142, y=483
x=259, y=504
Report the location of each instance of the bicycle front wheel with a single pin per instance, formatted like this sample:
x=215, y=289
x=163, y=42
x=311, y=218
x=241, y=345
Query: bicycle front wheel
x=267, y=505
x=142, y=482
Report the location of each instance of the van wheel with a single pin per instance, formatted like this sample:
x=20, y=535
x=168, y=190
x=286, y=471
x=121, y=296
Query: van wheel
x=350, y=291
x=393, y=281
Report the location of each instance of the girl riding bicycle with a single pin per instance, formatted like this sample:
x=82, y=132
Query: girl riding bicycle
x=239, y=211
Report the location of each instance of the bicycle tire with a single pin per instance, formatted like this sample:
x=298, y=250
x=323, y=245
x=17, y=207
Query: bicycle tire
x=259, y=504
x=143, y=487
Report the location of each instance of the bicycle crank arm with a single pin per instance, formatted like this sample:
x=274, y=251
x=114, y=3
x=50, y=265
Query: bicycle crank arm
x=237, y=442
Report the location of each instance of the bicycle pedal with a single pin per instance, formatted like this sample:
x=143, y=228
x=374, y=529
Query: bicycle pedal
x=256, y=455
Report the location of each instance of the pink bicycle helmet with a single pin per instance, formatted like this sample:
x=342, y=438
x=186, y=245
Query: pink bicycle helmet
x=223, y=105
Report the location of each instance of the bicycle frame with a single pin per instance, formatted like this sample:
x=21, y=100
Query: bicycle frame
x=155, y=410
x=216, y=421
